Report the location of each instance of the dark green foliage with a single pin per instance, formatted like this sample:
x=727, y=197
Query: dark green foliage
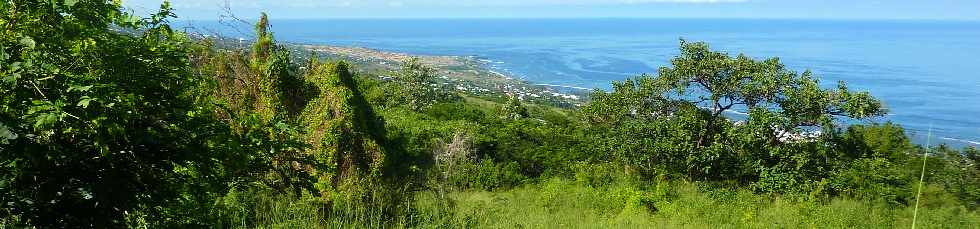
x=539, y=148
x=954, y=172
x=486, y=175
x=106, y=125
x=877, y=141
x=457, y=111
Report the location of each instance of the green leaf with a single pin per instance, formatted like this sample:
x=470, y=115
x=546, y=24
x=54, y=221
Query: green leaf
x=16, y=66
x=45, y=120
x=6, y=134
x=85, y=101
x=12, y=77
x=70, y=3
x=27, y=42
x=79, y=88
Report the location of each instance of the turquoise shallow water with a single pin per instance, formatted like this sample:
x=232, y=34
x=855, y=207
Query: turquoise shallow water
x=928, y=72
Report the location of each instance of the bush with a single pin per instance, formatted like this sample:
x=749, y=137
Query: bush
x=875, y=178
x=486, y=175
x=598, y=175
x=457, y=111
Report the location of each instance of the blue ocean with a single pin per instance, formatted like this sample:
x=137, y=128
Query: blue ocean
x=927, y=72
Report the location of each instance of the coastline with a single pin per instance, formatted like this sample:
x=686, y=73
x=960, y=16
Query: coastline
x=466, y=74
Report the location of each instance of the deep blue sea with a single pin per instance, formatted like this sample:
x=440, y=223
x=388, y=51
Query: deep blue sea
x=927, y=72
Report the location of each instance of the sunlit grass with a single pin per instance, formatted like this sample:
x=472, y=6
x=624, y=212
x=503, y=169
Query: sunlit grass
x=566, y=204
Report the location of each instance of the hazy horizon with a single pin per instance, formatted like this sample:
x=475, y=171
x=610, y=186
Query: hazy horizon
x=945, y=10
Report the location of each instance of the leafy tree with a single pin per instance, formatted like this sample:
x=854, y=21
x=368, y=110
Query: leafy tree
x=418, y=86
x=515, y=110
x=102, y=125
x=722, y=82
x=675, y=119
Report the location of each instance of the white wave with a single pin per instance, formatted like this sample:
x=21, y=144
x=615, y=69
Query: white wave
x=736, y=112
x=727, y=111
x=961, y=140
x=501, y=75
x=564, y=86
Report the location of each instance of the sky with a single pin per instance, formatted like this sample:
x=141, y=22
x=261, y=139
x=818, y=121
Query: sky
x=793, y=9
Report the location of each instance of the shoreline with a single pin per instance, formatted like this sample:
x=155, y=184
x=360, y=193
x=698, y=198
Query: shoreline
x=475, y=75
x=466, y=74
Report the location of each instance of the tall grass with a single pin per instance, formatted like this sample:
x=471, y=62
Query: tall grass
x=621, y=203
x=565, y=204
x=266, y=210
x=560, y=203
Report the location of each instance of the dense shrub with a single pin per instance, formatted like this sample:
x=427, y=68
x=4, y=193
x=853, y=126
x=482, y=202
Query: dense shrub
x=105, y=126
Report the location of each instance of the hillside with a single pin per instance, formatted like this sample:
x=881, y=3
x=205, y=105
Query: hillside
x=159, y=129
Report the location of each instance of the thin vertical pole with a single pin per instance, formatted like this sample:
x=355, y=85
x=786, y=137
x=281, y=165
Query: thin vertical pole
x=922, y=176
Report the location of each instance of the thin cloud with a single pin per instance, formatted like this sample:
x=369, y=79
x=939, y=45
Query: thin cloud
x=414, y=3
x=477, y=3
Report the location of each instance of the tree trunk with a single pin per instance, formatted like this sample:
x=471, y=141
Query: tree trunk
x=710, y=125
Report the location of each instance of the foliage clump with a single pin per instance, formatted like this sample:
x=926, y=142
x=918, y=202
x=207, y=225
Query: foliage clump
x=417, y=86
x=345, y=134
x=103, y=121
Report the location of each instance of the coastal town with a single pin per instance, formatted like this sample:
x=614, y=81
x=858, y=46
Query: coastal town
x=466, y=74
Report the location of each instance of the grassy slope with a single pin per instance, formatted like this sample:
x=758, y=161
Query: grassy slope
x=563, y=204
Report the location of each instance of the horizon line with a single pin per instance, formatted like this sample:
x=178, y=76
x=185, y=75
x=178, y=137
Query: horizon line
x=272, y=17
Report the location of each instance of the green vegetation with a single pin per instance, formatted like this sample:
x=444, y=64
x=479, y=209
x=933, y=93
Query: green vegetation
x=110, y=120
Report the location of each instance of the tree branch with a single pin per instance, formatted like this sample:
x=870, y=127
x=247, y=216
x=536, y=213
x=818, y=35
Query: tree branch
x=229, y=14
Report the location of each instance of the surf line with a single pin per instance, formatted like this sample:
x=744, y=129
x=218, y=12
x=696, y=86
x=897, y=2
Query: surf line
x=564, y=86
